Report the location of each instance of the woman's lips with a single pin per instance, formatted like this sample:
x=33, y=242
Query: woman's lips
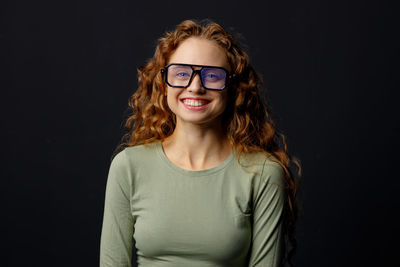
x=195, y=103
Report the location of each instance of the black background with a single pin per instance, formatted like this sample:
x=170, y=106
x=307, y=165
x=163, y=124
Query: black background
x=69, y=67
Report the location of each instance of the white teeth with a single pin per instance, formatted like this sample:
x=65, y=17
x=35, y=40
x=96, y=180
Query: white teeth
x=194, y=103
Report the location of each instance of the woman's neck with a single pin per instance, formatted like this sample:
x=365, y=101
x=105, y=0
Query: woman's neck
x=196, y=147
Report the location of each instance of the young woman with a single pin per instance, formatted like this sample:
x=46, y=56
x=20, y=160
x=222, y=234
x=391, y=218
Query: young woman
x=200, y=178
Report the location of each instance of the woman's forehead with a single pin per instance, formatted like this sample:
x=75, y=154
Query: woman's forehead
x=200, y=51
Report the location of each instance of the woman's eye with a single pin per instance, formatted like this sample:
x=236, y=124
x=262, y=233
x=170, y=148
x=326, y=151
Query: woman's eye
x=211, y=76
x=182, y=74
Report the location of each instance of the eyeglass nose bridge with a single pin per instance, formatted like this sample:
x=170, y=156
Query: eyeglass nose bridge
x=194, y=71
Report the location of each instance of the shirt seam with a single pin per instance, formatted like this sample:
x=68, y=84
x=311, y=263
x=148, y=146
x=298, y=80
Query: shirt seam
x=130, y=181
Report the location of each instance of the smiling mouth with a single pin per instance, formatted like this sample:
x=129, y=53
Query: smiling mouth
x=195, y=102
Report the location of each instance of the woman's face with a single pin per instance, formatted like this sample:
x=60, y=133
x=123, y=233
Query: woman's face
x=195, y=104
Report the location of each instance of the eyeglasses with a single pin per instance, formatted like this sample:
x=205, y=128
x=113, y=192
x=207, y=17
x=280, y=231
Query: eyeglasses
x=181, y=75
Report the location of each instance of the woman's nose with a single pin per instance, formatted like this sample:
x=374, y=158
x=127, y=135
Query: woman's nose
x=195, y=85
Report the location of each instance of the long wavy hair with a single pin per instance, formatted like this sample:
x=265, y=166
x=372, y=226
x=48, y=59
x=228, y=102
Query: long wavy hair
x=247, y=120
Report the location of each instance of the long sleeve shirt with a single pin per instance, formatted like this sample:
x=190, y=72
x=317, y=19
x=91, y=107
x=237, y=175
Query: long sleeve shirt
x=229, y=215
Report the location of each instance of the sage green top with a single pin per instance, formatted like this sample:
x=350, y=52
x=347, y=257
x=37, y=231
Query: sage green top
x=229, y=215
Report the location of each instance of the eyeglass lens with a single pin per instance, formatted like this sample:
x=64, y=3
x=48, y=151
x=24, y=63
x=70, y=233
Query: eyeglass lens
x=212, y=78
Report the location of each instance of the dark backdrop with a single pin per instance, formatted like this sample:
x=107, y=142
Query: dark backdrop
x=69, y=67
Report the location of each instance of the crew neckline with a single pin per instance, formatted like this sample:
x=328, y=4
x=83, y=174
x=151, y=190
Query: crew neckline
x=186, y=172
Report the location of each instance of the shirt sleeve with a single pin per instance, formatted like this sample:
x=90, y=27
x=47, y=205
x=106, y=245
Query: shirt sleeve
x=267, y=231
x=117, y=229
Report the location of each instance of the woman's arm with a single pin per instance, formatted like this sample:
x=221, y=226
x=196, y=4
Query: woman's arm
x=267, y=233
x=117, y=231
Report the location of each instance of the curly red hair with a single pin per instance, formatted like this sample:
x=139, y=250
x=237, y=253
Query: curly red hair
x=247, y=120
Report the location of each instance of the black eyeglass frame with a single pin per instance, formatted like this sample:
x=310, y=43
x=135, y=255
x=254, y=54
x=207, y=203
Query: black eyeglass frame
x=228, y=75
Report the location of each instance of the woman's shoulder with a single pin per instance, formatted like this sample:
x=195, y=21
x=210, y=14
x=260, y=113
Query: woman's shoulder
x=259, y=159
x=140, y=149
x=265, y=164
x=136, y=153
